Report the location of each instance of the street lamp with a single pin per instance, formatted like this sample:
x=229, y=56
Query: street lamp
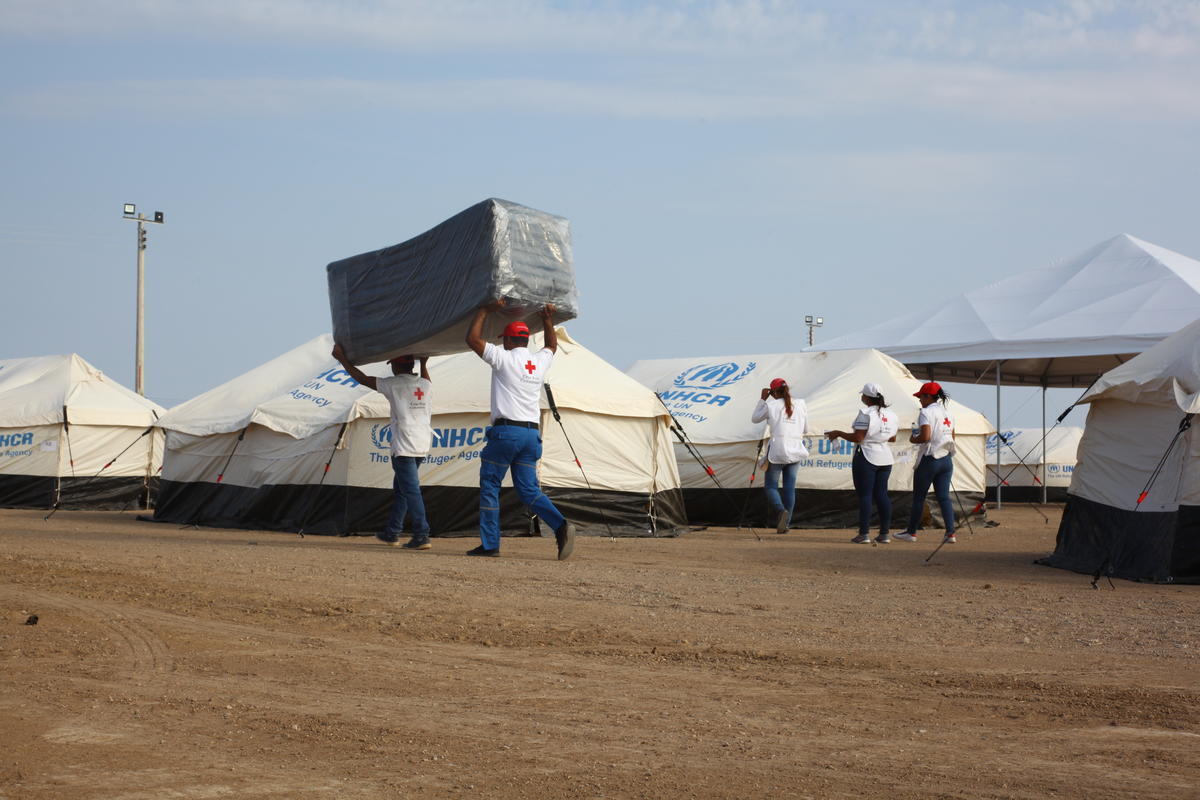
x=130, y=212
x=812, y=322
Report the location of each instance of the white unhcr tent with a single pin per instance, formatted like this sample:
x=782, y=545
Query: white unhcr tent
x=1022, y=470
x=1134, y=505
x=70, y=436
x=713, y=397
x=253, y=452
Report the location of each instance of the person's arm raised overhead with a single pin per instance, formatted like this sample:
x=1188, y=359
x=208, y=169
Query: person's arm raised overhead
x=353, y=371
x=551, y=338
x=475, y=339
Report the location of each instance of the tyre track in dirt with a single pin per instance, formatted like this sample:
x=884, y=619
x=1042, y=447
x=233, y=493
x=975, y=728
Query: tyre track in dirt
x=140, y=651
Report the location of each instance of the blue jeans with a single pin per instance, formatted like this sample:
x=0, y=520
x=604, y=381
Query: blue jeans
x=871, y=482
x=406, y=498
x=776, y=501
x=936, y=471
x=519, y=448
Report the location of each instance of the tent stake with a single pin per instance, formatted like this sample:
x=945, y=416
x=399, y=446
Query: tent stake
x=683, y=438
x=312, y=506
x=558, y=419
x=753, y=475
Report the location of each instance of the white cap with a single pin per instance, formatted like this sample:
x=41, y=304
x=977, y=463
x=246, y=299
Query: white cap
x=872, y=390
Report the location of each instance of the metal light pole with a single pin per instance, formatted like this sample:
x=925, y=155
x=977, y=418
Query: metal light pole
x=130, y=212
x=812, y=322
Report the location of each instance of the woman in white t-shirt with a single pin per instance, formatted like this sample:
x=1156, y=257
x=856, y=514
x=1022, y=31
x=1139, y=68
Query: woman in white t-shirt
x=787, y=420
x=874, y=427
x=935, y=460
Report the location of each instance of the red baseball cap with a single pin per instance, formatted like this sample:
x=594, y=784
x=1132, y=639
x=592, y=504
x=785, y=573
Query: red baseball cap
x=931, y=388
x=778, y=382
x=516, y=328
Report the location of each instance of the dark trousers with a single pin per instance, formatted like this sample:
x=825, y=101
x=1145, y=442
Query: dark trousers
x=871, y=483
x=406, y=498
x=936, y=472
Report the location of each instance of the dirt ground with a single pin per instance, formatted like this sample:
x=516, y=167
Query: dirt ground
x=185, y=663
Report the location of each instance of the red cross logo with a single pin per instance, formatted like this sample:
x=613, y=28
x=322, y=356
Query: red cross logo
x=946, y=422
x=529, y=365
x=419, y=393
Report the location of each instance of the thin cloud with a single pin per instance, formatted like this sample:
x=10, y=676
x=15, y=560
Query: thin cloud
x=956, y=90
x=1061, y=31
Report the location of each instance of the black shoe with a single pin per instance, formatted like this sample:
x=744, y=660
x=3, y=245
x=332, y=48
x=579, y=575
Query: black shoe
x=565, y=536
x=483, y=551
x=387, y=539
x=418, y=543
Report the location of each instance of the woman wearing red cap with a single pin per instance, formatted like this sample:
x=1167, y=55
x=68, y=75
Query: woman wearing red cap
x=787, y=419
x=935, y=462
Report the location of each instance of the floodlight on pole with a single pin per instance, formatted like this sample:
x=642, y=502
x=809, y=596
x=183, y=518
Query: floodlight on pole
x=130, y=212
x=812, y=322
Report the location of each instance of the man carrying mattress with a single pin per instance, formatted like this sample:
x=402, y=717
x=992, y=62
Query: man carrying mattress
x=412, y=436
x=513, y=440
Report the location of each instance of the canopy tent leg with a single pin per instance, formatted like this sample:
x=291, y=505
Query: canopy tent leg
x=999, y=436
x=1045, y=476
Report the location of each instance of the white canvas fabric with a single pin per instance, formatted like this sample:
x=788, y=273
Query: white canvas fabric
x=104, y=418
x=1061, y=446
x=713, y=397
x=1134, y=412
x=1062, y=324
x=293, y=409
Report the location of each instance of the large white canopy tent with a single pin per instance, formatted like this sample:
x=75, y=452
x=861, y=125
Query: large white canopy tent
x=71, y=436
x=1056, y=326
x=1133, y=509
x=713, y=397
x=253, y=452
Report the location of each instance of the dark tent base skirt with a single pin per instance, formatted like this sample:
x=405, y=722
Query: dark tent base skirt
x=1028, y=494
x=1098, y=539
x=451, y=510
x=815, y=508
x=40, y=491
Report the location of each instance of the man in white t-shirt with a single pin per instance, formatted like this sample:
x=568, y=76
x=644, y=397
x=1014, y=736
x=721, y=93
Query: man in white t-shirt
x=513, y=440
x=408, y=397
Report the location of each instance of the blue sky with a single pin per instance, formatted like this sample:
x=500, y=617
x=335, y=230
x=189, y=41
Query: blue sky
x=727, y=166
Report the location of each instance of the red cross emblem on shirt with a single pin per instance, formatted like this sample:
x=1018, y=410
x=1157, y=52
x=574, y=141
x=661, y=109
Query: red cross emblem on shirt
x=529, y=365
x=946, y=422
x=419, y=393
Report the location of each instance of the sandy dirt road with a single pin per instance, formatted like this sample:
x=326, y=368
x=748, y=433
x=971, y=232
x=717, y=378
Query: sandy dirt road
x=173, y=663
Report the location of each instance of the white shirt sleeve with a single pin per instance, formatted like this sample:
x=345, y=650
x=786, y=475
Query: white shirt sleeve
x=760, y=412
x=493, y=355
x=863, y=421
x=926, y=417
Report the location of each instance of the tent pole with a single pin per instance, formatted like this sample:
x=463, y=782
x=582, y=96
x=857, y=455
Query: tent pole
x=1045, y=476
x=999, y=435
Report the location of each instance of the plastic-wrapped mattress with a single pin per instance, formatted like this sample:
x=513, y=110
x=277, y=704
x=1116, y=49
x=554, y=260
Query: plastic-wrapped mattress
x=419, y=296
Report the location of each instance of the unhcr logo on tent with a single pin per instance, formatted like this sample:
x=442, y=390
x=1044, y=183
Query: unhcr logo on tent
x=704, y=377
x=1010, y=438
x=713, y=376
x=381, y=436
